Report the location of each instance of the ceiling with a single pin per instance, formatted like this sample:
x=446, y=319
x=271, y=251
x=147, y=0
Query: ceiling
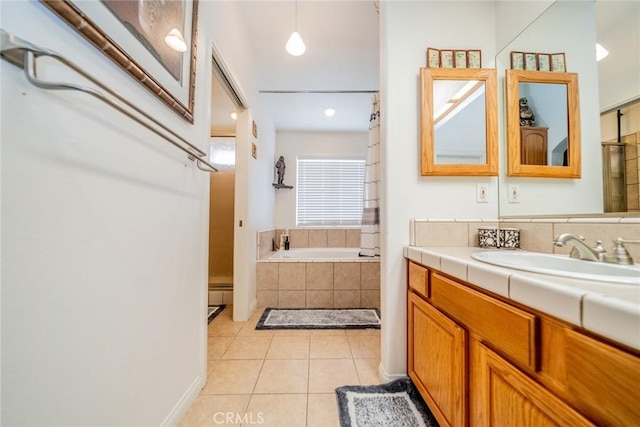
x=342, y=55
x=341, y=62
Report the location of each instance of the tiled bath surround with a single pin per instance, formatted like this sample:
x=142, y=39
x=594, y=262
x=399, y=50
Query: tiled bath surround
x=318, y=284
x=536, y=234
x=309, y=238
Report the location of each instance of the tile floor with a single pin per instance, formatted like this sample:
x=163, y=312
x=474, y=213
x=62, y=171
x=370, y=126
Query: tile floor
x=280, y=378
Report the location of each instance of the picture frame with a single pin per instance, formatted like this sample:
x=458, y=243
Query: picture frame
x=130, y=35
x=254, y=128
x=517, y=60
x=474, y=59
x=446, y=59
x=460, y=59
x=433, y=58
x=558, y=63
x=530, y=61
x=544, y=62
x=254, y=150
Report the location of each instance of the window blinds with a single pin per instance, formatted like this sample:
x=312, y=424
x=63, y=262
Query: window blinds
x=329, y=192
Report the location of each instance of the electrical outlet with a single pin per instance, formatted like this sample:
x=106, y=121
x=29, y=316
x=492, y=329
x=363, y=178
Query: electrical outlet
x=514, y=193
x=482, y=193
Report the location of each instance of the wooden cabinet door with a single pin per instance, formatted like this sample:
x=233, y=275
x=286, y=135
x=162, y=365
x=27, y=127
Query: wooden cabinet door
x=501, y=395
x=438, y=361
x=533, y=145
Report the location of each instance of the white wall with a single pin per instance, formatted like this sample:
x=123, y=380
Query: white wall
x=565, y=27
x=406, y=30
x=292, y=145
x=104, y=239
x=620, y=71
x=514, y=16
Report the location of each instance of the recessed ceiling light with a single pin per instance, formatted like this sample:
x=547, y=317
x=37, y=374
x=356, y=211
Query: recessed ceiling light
x=601, y=52
x=330, y=112
x=234, y=115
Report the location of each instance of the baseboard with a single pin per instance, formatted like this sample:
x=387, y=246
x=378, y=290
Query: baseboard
x=386, y=377
x=180, y=410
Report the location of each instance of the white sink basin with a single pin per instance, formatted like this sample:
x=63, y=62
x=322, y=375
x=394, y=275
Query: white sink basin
x=561, y=265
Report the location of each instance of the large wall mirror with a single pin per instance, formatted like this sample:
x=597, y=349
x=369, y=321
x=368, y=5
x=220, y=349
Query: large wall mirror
x=459, y=122
x=543, y=124
x=574, y=28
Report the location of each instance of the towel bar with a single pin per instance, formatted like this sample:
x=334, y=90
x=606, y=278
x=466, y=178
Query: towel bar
x=24, y=55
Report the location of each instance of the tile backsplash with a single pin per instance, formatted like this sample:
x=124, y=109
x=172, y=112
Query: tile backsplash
x=309, y=238
x=536, y=234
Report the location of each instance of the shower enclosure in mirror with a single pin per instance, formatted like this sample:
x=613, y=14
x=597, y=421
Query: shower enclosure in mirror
x=459, y=122
x=543, y=124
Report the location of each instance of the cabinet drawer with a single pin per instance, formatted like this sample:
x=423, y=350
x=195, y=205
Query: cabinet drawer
x=418, y=279
x=505, y=328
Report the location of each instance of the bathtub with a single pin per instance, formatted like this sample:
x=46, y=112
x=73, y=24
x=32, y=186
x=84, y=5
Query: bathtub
x=320, y=255
x=318, y=278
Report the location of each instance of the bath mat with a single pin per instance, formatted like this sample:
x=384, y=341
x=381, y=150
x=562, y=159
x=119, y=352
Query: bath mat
x=319, y=318
x=214, y=310
x=397, y=404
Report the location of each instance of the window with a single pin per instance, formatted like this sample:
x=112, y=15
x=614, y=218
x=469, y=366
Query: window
x=329, y=192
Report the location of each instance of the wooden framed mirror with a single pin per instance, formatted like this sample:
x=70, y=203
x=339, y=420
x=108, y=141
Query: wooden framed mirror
x=543, y=124
x=459, y=129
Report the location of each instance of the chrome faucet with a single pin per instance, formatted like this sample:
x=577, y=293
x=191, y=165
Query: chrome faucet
x=580, y=249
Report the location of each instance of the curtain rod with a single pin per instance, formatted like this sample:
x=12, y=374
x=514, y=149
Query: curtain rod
x=319, y=91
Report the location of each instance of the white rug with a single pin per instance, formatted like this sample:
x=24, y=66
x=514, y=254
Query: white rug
x=319, y=318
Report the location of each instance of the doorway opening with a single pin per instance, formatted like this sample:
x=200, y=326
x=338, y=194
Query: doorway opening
x=225, y=106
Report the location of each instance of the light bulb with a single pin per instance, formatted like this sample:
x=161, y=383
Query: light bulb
x=601, y=52
x=295, y=45
x=175, y=40
x=329, y=112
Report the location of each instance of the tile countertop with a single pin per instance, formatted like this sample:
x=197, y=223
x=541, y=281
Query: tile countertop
x=610, y=310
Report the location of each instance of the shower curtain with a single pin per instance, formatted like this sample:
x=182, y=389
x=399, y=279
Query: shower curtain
x=370, y=234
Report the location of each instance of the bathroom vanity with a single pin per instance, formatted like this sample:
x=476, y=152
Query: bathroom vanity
x=494, y=346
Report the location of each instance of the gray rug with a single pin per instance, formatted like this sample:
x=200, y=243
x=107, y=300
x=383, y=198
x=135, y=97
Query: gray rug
x=319, y=318
x=214, y=310
x=396, y=404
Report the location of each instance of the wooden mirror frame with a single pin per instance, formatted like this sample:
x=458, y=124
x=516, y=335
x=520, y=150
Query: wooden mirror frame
x=514, y=165
x=427, y=146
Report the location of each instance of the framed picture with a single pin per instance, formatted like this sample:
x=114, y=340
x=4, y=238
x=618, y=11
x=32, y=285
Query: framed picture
x=254, y=129
x=544, y=62
x=558, y=64
x=136, y=36
x=530, y=61
x=517, y=60
x=446, y=58
x=474, y=58
x=461, y=59
x=254, y=150
x=433, y=58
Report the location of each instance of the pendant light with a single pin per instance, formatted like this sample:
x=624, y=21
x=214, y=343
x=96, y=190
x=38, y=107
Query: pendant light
x=295, y=46
x=175, y=40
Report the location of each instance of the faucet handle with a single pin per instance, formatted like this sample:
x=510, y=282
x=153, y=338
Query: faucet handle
x=620, y=253
x=599, y=249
